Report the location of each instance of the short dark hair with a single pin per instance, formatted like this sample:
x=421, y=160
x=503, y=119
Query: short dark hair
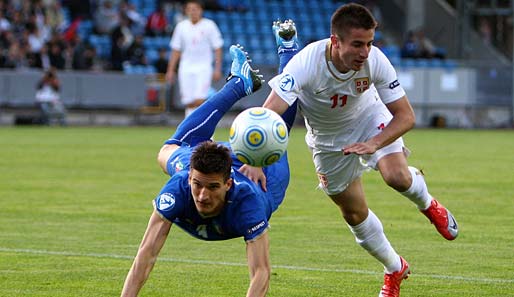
x=211, y=157
x=351, y=16
x=198, y=2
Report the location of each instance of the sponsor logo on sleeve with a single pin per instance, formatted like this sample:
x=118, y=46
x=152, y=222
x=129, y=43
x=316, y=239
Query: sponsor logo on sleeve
x=287, y=83
x=394, y=84
x=256, y=227
x=166, y=201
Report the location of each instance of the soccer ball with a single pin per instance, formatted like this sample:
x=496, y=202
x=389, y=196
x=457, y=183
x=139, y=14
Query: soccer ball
x=258, y=136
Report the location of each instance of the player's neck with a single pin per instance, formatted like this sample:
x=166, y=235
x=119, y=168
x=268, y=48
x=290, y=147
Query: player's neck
x=195, y=21
x=338, y=65
x=335, y=71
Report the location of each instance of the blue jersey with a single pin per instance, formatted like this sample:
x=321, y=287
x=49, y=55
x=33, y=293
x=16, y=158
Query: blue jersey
x=247, y=207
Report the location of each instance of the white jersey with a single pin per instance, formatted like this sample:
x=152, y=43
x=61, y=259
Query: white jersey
x=332, y=103
x=196, y=42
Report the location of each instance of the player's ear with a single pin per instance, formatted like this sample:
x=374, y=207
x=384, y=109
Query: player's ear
x=229, y=183
x=334, y=40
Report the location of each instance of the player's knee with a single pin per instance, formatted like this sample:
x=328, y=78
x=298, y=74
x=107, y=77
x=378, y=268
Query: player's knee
x=354, y=218
x=354, y=215
x=399, y=179
x=163, y=156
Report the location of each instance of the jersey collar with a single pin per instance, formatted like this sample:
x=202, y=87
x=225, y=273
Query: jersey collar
x=332, y=69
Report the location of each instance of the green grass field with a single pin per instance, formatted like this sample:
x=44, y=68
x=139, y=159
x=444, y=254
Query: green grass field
x=74, y=203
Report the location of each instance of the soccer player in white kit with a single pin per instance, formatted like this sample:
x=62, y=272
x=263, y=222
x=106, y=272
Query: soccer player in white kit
x=356, y=112
x=197, y=44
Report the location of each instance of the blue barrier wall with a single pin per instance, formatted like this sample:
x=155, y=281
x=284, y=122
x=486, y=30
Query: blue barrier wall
x=78, y=89
x=465, y=96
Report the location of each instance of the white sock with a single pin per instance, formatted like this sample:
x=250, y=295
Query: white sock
x=370, y=235
x=418, y=191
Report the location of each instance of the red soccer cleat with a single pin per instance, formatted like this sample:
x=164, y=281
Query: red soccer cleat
x=392, y=281
x=442, y=219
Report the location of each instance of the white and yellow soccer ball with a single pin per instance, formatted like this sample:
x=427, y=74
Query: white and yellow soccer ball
x=258, y=136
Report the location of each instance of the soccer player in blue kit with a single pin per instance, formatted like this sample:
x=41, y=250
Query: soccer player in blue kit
x=206, y=195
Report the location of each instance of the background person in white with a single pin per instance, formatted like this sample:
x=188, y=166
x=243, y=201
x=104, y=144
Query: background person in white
x=196, y=43
x=356, y=112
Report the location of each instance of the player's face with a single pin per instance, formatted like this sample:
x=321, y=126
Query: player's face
x=194, y=12
x=350, y=52
x=209, y=191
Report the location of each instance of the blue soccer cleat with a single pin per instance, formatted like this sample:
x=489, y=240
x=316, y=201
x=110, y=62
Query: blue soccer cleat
x=241, y=68
x=285, y=35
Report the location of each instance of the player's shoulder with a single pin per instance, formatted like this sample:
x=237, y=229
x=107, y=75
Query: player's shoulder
x=173, y=197
x=316, y=48
x=183, y=23
x=245, y=202
x=243, y=188
x=181, y=27
x=377, y=56
x=178, y=182
x=242, y=182
x=208, y=22
x=309, y=58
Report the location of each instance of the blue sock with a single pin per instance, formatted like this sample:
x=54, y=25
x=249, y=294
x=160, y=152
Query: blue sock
x=284, y=57
x=290, y=114
x=200, y=125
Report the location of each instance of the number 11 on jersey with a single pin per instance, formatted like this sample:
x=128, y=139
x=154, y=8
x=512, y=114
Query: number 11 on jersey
x=336, y=98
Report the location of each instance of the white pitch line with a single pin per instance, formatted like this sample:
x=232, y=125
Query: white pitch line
x=288, y=267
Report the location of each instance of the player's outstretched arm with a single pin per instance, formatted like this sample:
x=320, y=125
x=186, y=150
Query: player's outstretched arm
x=153, y=240
x=257, y=253
x=403, y=120
x=275, y=103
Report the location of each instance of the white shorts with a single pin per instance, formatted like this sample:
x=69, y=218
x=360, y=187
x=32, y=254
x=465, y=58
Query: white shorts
x=336, y=171
x=194, y=83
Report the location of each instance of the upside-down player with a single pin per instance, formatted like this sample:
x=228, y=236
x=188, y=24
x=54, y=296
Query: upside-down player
x=206, y=195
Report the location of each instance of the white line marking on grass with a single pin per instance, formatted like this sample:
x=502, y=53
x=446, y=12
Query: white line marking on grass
x=288, y=267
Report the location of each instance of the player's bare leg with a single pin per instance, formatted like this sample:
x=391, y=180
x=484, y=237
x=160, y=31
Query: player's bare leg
x=410, y=182
x=369, y=234
x=199, y=125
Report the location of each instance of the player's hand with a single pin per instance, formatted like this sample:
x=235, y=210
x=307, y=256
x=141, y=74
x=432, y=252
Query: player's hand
x=255, y=174
x=360, y=148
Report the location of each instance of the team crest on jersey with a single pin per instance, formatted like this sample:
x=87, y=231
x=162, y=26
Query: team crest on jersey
x=166, y=201
x=179, y=166
x=361, y=84
x=287, y=83
x=323, y=180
